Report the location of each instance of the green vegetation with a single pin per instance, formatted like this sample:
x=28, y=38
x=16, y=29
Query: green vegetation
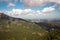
x=15, y=29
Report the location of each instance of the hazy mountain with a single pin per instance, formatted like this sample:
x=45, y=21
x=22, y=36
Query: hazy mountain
x=20, y=29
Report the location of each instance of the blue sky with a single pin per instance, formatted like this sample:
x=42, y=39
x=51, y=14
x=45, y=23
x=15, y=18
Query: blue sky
x=46, y=9
x=19, y=5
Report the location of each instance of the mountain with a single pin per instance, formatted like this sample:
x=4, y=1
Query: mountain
x=6, y=17
x=20, y=29
x=58, y=21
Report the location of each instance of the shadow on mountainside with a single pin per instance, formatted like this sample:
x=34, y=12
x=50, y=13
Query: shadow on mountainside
x=49, y=26
x=45, y=25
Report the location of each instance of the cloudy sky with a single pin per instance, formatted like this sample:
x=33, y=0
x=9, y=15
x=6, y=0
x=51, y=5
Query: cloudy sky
x=31, y=9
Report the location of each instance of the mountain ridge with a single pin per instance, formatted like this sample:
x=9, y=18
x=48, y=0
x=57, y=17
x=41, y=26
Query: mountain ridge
x=16, y=29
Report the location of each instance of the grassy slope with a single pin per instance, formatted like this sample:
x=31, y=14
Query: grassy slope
x=21, y=30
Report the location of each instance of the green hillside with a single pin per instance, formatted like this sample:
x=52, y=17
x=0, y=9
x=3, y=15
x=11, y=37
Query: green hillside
x=15, y=29
x=19, y=29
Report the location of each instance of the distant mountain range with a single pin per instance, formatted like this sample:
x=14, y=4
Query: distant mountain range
x=4, y=16
x=20, y=29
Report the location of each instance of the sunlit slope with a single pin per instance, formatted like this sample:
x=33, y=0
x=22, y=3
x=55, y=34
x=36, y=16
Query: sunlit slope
x=17, y=29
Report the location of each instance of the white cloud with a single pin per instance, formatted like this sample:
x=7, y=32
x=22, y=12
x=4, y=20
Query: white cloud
x=29, y=13
x=17, y=11
x=1, y=11
x=27, y=10
x=48, y=9
x=39, y=12
x=56, y=1
x=11, y=5
x=20, y=13
x=31, y=3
